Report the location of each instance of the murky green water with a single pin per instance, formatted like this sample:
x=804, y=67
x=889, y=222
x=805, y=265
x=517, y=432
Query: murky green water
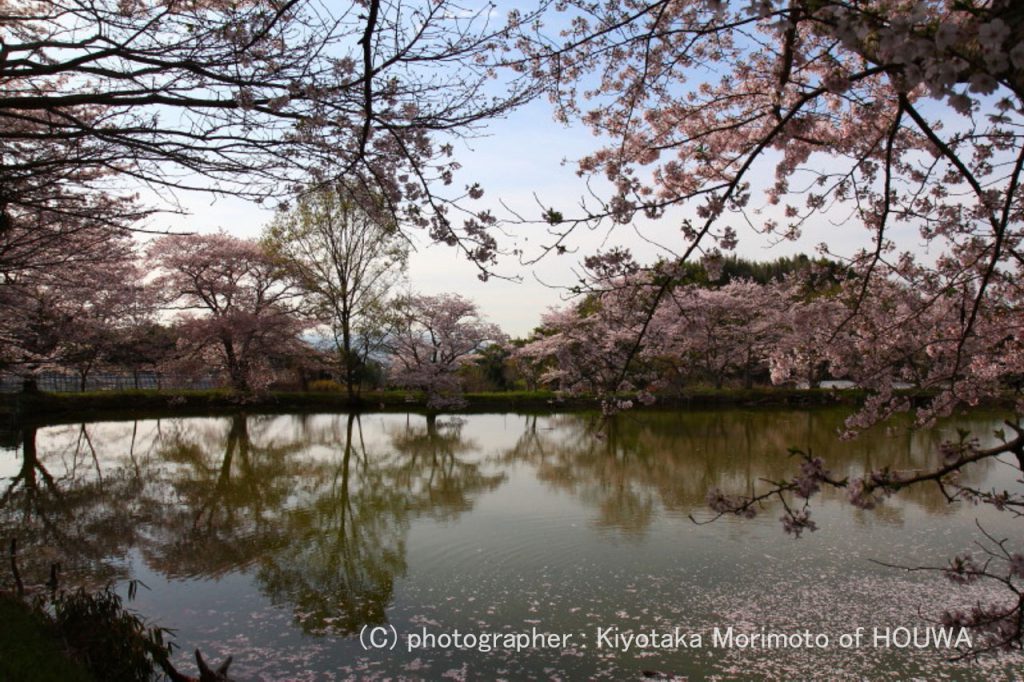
x=280, y=539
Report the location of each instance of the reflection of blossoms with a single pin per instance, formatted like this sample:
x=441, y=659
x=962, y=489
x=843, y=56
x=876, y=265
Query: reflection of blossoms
x=613, y=407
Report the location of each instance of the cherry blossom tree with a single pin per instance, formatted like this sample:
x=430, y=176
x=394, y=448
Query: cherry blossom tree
x=58, y=227
x=99, y=100
x=893, y=118
x=782, y=115
x=908, y=336
x=251, y=98
x=588, y=348
x=701, y=331
x=57, y=206
x=433, y=337
x=100, y=309
x=347, y=262
x=806, y=333
x=723, y=331
x=246, y=303
x=145, y=345
x=807, y=327
x=72, y=313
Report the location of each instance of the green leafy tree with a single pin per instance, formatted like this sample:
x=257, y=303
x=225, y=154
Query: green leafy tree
x=348, y=255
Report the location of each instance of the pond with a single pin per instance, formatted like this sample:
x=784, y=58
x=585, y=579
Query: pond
x=282, y=539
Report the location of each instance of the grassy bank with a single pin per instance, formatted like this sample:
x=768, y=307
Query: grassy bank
x=153, y=403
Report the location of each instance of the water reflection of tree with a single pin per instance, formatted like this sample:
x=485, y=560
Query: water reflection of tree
x=224, y=496
x=344, y=547
x=592, y=461
x=318, y=517
x=344, y=542
x=70, y=513
x=439, y=480
x=634, y=464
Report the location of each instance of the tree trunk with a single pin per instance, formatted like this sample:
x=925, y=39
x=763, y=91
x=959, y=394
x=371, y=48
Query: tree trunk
x=236, y=372
x=350, y=370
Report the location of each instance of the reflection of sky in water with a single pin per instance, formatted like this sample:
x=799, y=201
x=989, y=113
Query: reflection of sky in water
x=269, y=539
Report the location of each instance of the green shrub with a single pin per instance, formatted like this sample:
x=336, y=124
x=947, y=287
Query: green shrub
x=112, y=642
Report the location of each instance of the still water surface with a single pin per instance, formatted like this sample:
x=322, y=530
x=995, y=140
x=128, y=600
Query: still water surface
x=277, y=539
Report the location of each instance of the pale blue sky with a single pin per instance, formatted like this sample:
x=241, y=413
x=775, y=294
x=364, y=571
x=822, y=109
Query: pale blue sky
x=513, y=159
